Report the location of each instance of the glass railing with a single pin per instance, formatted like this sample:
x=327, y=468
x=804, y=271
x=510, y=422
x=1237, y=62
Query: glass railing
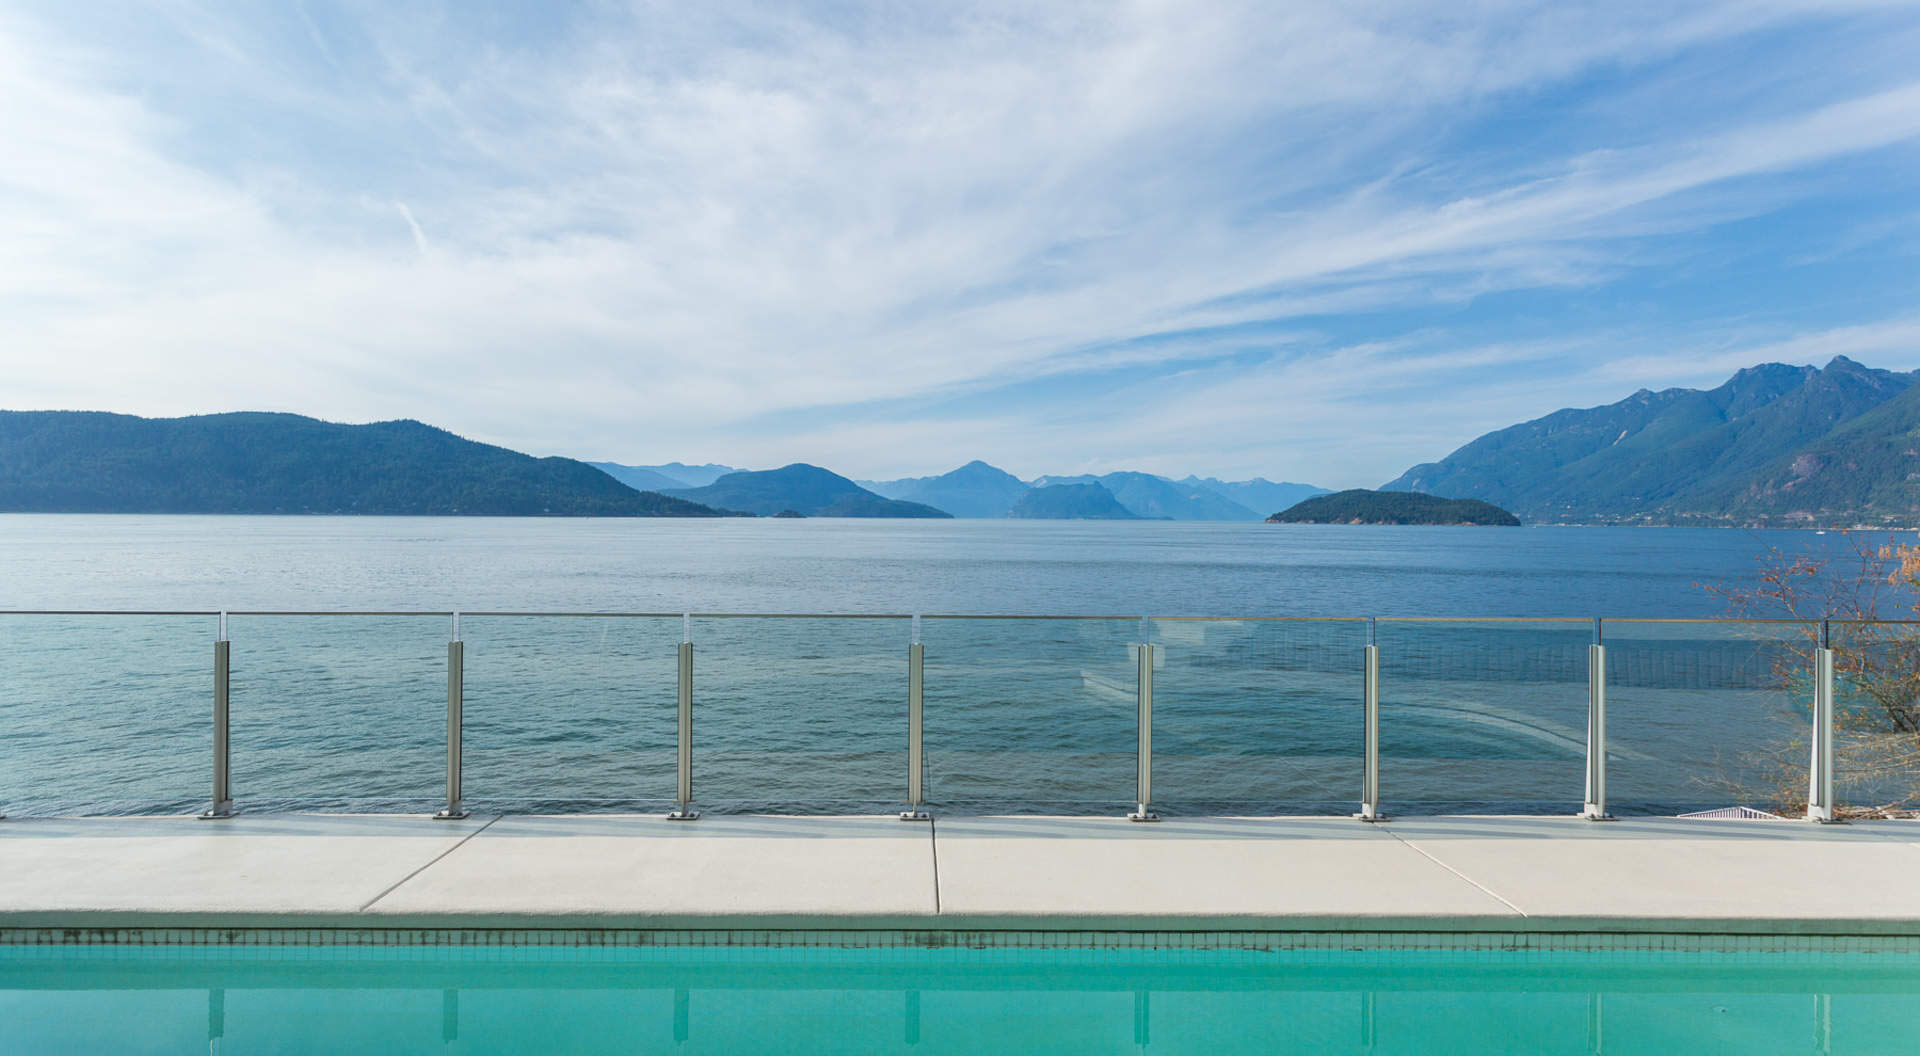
x=104, y=714
x=1877, y=712
x=568, y=713
x=121, y=712
x=799, y=714
x=1482, y=716
x=1256, y=716
x=1709, y=714
x=338, y=712
x=1031, y=714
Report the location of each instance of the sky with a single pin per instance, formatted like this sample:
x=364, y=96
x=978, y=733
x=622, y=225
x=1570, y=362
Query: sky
x=1307, y=241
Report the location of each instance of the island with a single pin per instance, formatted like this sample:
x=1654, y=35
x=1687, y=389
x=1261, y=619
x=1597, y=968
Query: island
x=1073, y=502
x=1360, y=506
x=799, y=489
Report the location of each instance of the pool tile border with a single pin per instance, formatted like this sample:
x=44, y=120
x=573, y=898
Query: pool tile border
x=1637, y=944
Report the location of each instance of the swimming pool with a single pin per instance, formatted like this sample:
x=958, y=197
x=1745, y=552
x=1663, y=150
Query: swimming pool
x=586, y=992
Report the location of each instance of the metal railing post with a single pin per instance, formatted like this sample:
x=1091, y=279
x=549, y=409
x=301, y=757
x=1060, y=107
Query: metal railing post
x=222, y=751
x=1143, y=751
x=683, y=797
x=456, y=693
x=916, y=759
x=1596, y=801
x=1370, y=722
x=1820, y=803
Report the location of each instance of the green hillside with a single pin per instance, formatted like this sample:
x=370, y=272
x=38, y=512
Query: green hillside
x=1774, y=445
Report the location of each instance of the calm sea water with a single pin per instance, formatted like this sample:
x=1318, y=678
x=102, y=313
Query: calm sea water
x=109, y=713
x=873, y=566
x=955, y=1000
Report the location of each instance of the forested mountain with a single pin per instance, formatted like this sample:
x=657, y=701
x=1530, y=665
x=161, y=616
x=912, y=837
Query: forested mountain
x=1075, y=502
x=1774, y=445
x=1867, y=470
x=804, y=489
x=93, y=462
x=1360, y=506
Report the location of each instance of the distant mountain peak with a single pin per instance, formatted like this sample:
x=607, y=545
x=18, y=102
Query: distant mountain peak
x=976, y=489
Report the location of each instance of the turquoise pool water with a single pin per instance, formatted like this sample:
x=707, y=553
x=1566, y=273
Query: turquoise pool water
x=344, y=999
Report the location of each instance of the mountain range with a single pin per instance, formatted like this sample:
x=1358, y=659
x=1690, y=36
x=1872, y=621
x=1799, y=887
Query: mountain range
x=980, y=490
x=1158, y=498
x=639, y=478
x=1774, y=446
x=668, y=475
x=1257, y=494
x=93, y=462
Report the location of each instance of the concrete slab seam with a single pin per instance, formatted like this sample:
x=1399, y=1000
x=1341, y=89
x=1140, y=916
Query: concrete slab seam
x=1483, y=889
x=436, y=861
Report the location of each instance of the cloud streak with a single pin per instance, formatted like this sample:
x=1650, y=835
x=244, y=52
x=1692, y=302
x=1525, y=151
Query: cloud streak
x=1300, y=241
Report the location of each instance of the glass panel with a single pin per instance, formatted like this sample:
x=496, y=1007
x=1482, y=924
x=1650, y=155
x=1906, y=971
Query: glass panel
x=1030, y=715
x=570, y=713
x=1708, y=715
x=1876, y=714
x=799, y=714
x=1482, y=716
x=1257, y=716
x=105, y=714
x=339, y=712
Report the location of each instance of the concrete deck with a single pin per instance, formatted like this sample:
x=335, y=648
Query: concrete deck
x=1426, y=874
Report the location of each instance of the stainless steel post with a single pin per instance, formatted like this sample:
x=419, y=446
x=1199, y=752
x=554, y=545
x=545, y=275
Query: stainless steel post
x=456, y=693
x=1596, y=801
x=1370, y=728
x=1143, y=752
x=684, y=797
x=916, y=684
x=1820, y=776
x=222, y=754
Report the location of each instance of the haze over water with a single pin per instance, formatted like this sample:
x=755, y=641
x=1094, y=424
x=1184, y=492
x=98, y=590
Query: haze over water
x=880, y=566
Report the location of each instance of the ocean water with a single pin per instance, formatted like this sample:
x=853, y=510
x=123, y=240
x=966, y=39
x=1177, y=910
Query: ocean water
x=741, y=999
x=1258, y=633
x=874, y=566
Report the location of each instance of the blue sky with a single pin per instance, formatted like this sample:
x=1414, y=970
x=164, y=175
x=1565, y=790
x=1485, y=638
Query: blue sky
x=1313, y=242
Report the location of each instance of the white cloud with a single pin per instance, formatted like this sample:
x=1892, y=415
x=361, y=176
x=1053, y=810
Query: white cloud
x=677, y=230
